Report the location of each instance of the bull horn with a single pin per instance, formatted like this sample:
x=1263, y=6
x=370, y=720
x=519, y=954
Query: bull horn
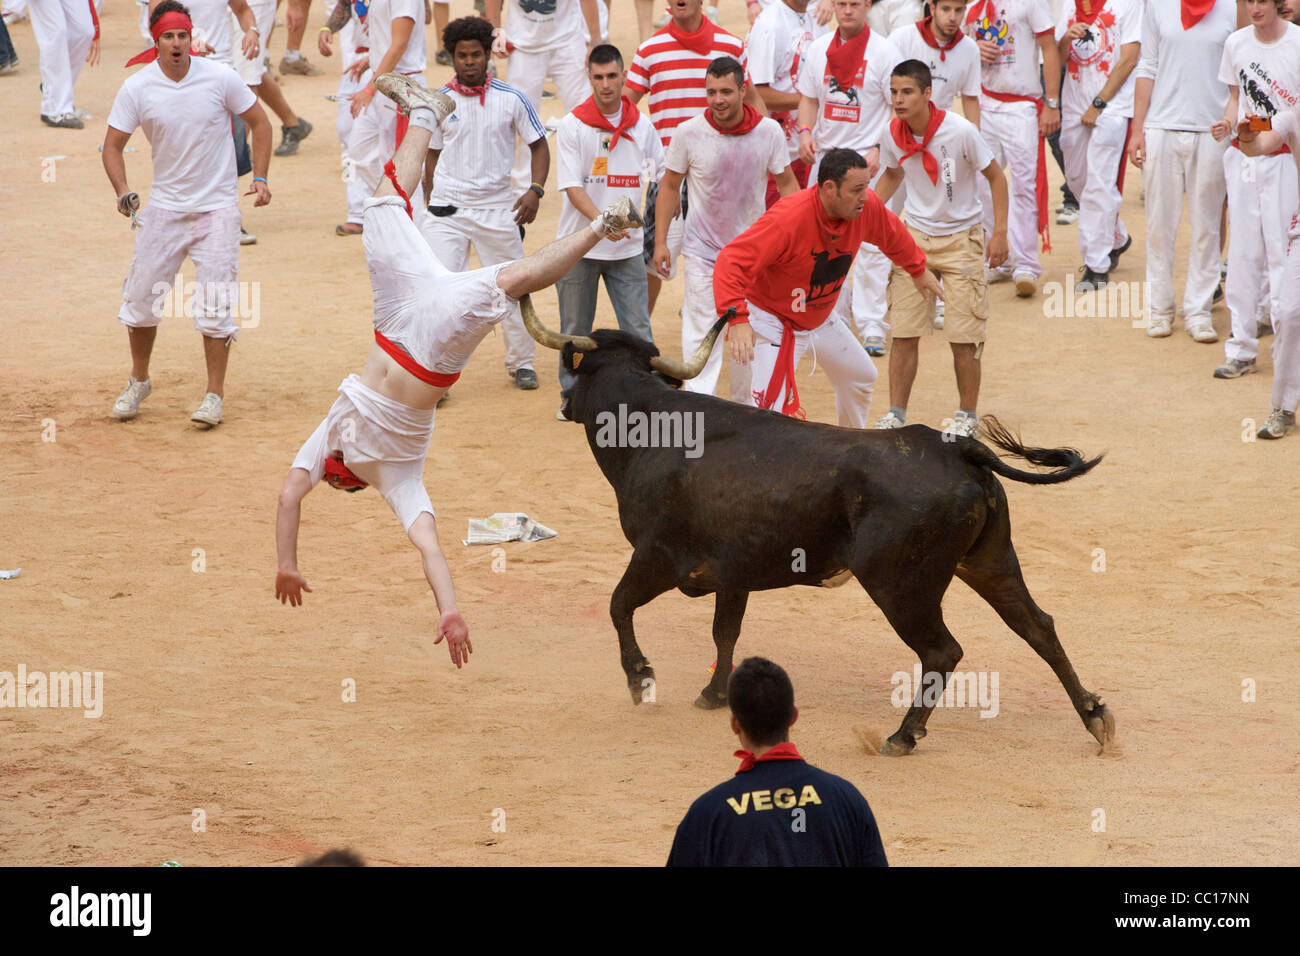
x=552, y=340
x=686, y=370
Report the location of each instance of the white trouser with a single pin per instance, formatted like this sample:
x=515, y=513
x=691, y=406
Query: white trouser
x=356, y=187
x=1181, y=164
x=1011, y=132
x=1286, y=328
x=698, y=315
x=834, y=349
x=252, y=71
x=887, y=17
x=495, y=237
x=64, y=31
x=1261, y=198
x=371, y=145
x=567, y=66
x=1092, y=159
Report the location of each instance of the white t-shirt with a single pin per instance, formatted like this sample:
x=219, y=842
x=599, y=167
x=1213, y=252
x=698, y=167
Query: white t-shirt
x=951, y=71
x=776, y=46
x=534, y=26
x=1094, y=54
x=211, y=19
x=187, y=125
x=379, y=22
x=726, y=180
x=1015, y=26
x=478, y=147
x=1267, y=74
x=585, y=161
x=1185, y=94
x=854, y=118
x=952, y=204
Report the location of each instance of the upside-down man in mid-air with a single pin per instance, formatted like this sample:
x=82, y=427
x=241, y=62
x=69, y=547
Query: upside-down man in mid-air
x=428, y=322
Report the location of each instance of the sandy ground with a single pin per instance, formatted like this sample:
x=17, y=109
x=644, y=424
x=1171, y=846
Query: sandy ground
x=219, y=699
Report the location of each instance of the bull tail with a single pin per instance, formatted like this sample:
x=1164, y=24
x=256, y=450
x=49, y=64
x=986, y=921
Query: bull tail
x=1067, y=462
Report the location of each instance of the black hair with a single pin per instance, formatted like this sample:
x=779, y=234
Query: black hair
x=725, y=65
x=836, y=163
x=915, y=70
x=762, y=698
x=167, y=6
x=467, y=28
x=604, y=53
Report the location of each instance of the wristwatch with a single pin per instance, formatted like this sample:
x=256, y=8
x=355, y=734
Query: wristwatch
x=1098, y=102
x=1052, y=104
x=538, y=189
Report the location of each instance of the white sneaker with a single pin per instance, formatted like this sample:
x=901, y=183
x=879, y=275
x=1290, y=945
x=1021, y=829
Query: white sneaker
x=890, y=421
x=1160, y=326
x=409, y=95
x=82, y=115
x=996, y=275
x=938, y=313
x=1067, y=216
x=1025, y=284
x=1203, y=332
x=209, y=413
x=128, y=403
x=963, y=427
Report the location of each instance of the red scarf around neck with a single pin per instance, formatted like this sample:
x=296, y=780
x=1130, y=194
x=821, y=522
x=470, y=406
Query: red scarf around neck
x=479, y=91
x=588, y=112
x=748, y=120
x=785, y=751
x=1193, y=10
x=1080, y=16
x=844, y=58
x=927, y=34
x=908, y=146
x=700, y=42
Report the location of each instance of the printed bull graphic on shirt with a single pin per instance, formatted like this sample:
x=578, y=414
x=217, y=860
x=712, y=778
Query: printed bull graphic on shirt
x=828, y=273
x=1261, y=104
x=543, y=7
x=850, y=95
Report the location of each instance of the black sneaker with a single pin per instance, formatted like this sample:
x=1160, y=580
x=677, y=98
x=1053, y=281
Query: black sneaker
x=1218, y=294
x=442, y=58
x=1092, y=281
x=525, y=379
x=1116, y=253
x=292, y=136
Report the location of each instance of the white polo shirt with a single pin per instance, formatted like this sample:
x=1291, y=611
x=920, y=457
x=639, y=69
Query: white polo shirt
x=951, y=71
x=726, y=180
x=478, y=146
x=777, y=43
x=1015, y=26
x=187, y=125
x=1185, y=94
x=1267, y=74
x=854, y=118
x=1093, y=55
x=534, y=26
x=586, y=161
x=379, y=23
x=952, y=204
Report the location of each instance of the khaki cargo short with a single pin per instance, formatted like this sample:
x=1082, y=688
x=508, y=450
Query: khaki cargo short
x=958, y=262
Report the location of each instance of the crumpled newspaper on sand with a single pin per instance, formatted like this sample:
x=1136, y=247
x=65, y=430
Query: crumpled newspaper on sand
x=506, y=526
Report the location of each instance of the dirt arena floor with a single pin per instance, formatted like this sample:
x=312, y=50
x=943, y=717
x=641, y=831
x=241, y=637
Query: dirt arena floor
x=147, y=551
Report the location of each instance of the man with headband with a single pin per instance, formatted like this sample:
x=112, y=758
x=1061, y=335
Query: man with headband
x=184, y=105
x=427, y=322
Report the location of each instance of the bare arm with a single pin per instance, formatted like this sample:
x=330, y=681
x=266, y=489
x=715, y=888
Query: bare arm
x=1050, y=120
x=888, y=182
x=582, y=202
x=114, y=163
x=260, y=128
x=402, y=27
x=997, y=250
x=753, y=99
x=592, y=16
x=430, y=165
x=525, y=207
x=289, y=584
x=424, y=535
x=786, y=183
x=970, y=107
x=251, y=44
x=775, y=100
x=633, y=95
x=1137, y=144
x=807, y=117
x=1258, y=144
x=667, y=204
x=1128, y=58
x=337, y=20
x=492, y=12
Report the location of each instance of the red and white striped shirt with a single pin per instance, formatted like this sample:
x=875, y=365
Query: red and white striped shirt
x=674, y=76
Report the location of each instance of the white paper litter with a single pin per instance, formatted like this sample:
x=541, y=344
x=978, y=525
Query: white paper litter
x=6, y=575
x=506, y=526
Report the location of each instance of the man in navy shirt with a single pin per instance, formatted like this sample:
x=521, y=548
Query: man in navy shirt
x=778, y=810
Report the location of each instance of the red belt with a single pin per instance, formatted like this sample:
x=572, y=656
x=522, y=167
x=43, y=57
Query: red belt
x=1276, y=152
x=363, y=49
x=1040, y=181
x=436, y=379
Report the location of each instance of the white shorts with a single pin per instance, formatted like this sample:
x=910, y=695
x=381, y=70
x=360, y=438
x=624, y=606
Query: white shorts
x=252, y=71
x=437, y=316
x=166, y=237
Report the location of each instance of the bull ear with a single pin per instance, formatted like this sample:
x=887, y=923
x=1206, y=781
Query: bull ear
x=684, y=370
x=552, y=340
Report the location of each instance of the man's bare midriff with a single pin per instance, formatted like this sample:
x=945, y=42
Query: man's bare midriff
x=385, y=376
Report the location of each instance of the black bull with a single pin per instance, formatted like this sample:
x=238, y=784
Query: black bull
x=773, y=501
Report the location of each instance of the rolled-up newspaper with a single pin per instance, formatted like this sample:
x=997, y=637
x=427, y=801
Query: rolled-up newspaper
x=506, y=526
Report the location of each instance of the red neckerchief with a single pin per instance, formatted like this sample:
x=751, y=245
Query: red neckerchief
x=1193, y=10
x=843, y=59
x=479, y=91
x=700, y=42
x=748, y=120
x=927, y=34
x=981, y=9
x=908, y=146
x=172, y=20
x=588, y=112
x=786, y=751
x=1081, y=17
x=340, y=476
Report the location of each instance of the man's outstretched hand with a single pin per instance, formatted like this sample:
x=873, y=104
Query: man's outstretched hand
x=452, y=627
x=289, y=586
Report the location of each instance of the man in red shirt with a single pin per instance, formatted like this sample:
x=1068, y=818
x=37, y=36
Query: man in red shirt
x=783, y=275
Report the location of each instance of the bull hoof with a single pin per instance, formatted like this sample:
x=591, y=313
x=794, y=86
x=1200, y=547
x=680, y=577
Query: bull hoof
x=895, y=746
x=641, y=684
x=1101, y=724
x=708, y=700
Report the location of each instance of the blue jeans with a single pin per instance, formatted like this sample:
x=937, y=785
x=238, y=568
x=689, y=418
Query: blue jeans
x=7, y=53
x=625, y=281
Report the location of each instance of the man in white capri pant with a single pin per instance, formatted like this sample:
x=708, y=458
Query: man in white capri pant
x=1175, y=102
x=67, y=34
x=427, y=323
x=467, y=176
x=725, y=155
x=184, y=105
x=252, y=70
x=1261, y=65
